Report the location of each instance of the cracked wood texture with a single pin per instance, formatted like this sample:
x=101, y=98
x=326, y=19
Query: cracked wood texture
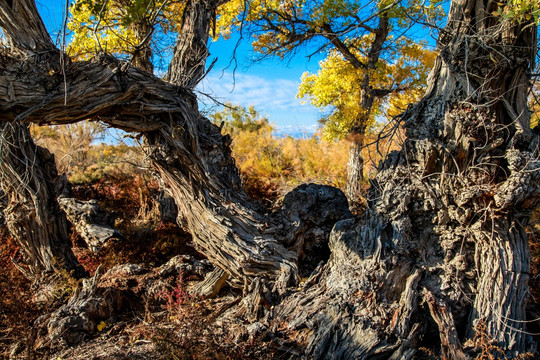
x=443, y=244
x=28, y=172
x=189, y=153
x=32, y=214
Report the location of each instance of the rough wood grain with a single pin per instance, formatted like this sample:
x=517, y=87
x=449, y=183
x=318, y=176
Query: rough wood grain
x=451, y=347
x=445, y=214
x=29, y=178
x=444, y=208
x=93, y=224
x=211, y=285
x=189, y=153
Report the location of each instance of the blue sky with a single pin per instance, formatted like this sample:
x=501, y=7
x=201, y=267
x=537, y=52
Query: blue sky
x=270, y=86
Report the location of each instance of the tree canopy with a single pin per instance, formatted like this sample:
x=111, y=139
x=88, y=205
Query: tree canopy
x=131, y=28
x=372, y=58
x=337, y=85
x=442, y=244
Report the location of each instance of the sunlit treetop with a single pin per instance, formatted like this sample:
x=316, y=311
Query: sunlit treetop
x=122, y=27
x=373, y=65
x=280, y=27
x=336, y=87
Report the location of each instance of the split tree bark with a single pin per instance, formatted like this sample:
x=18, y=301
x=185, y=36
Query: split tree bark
x=440, y=237
x=28, y=172
x=188, y=64
x=32, y=215
x=188, y=151
x=443, y=244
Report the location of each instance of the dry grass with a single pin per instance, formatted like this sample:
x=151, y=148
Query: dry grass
x=269, y=167
x=17, y=311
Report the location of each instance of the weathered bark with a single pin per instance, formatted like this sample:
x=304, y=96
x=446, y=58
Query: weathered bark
x=212, y=204
x=22, y=18
x=307, y=215
x=94, y=225
x=188, y=65
x=142, y=55
x=225, y=225
x=186, y=266
x=451, y=347
x=189, y=152
x=32, y=215
x=77, y=319
x=3, y=205
x=443, y=244
x=212, y=284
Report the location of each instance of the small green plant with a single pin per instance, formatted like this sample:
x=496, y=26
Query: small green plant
x=519, y=11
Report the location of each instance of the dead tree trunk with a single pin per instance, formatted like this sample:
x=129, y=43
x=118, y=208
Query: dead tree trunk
x=443, y=245
x=188, y=65
x=444, y=225
x=32, y=215
x=28, y=172
x=188, y=151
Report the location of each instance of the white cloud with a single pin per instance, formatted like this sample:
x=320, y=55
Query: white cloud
x=267, y=95
x=298, y=131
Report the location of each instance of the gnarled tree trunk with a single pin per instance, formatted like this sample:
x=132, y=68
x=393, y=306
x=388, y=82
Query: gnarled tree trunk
x=442, y=229
x=28, y=172
x=32, y=215
x=443, y=245
x=188, y=151
x=188, y=65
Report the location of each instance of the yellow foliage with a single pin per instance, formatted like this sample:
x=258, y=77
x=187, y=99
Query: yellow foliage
x=78, y=157
x=111, y=25
x=338, y=85
x=281, y=164
x=284, y=163
x=235, y=13
x=288, y=162
x=519, y=11
x=280, y=27
x=274, y=39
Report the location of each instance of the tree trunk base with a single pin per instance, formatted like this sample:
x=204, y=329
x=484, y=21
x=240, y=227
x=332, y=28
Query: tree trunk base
x=211, y=285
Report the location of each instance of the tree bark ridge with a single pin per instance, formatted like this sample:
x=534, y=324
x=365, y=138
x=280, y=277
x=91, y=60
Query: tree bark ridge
x=32, y=216
x=188, y=151
x=445, y=205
